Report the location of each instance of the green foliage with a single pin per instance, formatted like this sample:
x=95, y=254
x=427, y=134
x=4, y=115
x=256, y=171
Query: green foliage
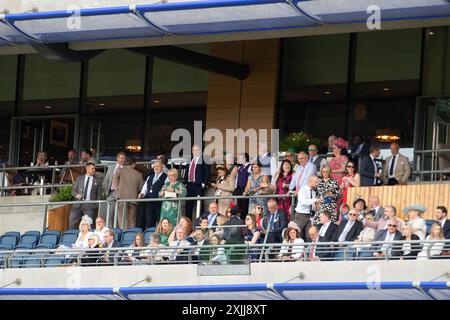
x=298, y=141
x=63, y=194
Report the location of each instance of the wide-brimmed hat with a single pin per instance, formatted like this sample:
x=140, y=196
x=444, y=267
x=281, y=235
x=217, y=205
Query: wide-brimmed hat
x=221, y=167
x=415, y=207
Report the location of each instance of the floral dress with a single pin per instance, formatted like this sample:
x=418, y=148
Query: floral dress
x=254, y=202
x=169, y=208
x=338, y=163
x=284, y=203
x=323, y=188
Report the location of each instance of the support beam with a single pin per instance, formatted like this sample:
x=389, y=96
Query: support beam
x=60, y=52
x=197, y=60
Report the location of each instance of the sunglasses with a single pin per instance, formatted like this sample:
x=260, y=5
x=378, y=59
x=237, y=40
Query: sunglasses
x=312, y=149
x=392, y=225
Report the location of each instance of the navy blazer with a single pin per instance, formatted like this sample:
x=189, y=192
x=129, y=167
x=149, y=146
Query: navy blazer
x=446, y=229
x=202, y=173
x=330, y=232
x=275, y=236
x=354, y=232
x=367, y=170
x=156, y=187
x=381, y=235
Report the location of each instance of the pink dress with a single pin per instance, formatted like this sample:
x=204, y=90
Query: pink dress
x=338, y=163
x=284, y=203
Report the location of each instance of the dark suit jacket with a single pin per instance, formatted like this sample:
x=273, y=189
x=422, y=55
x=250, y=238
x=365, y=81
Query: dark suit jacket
x=205, y=215
x=234, y=235
x=282, y=222
x=202, y=172
x=364, y=150
x=156, y=187
x=381, y=235
x=355, y=230
x=330, y=232
x=367, y=171
x=415, y=248
x=96, y=190
x=446, y=229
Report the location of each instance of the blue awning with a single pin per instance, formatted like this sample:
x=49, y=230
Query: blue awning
x=203, y=17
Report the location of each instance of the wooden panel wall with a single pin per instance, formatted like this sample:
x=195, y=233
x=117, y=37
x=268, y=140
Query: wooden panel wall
x=428, y=195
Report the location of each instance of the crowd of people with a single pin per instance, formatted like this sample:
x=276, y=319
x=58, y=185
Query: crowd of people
x=309, y=205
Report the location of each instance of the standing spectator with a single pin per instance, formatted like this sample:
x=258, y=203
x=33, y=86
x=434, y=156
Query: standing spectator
x=409, y=250
x=100, y=228
x=212, y=214
x=109, y=188
x=389, y=235
x=318, y=161
x=164, y=229
x=368, y=168
x=86, y=157
x=415, y=219
x=257, y=184
x=224, y=187
x=128, y=181
x=328, y=190
x=152, y=186
x=433, y=249
x=280, y=183
x=267, y=160
x=229, y=162
x=290, y=155
x=86, y=188
x=274, y=222
x=234, y=235
x=331, y=140
x=441, y=216
x=340, y=160
x=348, y=231
x=292, y=248
x=163, y=159
x=326, y=227
x=242, y=174
x=303, y=171
x=350, y=179
x=196, y=178
x=390, y=212
x=375, y=208
x=169, y=208
x=396, y=169
x=359, y=147
x=306, y=205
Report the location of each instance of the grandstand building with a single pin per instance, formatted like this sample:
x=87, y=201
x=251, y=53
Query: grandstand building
x=114, y=75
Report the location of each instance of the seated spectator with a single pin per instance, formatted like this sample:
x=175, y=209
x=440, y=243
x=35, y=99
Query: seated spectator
x=203, y=225
x=390, y=212
x=186, y=224
x=409, y=250
x=375, y=208
x=415, y=219
x=431, y=250
x=178, y=253
x=380, y=251
x=274, y=222
x=314, y=250
x=224, y=186
x=200, y=239
x=156, y=252
x=441, y=217
x=85, y=233
x=109, y=256
x=217, y=255
x=164, y=229
x=211, y=215
x=90, y=257
x=360, y=206
x=134, y=255
x=326, y=227
x=366, y=235
x=348, y=231
x=292, y=249
x=86, y=157
x=100, y=228
x=69, y=175
x=343, y=212
x=221, y=220
x=259, y=215
x=41, y=159
x=252, y=236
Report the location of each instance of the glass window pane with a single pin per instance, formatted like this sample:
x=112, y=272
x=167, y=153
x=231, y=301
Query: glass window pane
x=8, y=67
x=116, y=81
x=50, y=87
x=4, y=139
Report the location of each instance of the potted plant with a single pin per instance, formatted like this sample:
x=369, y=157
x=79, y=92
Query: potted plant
x=298, y=141
x=58, y=217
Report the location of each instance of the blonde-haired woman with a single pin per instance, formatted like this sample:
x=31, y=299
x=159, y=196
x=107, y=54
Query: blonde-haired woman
x=169, y=208
x=85, y=233
x=224, y=187
x=433, y=249
x=91, y=257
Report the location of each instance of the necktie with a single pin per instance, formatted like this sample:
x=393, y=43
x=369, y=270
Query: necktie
x=311, y=251
x=155, y=178
x=311, y=159
x=311, y=196
x=86, y=186
x=192, y=170
x=391, y=169
x=272, y=222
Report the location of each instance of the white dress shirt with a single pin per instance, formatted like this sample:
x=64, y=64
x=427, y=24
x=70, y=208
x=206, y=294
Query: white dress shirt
x=155, y=178
x=101, y=233
x=346, y=230
x=89, y=187
x=395, y=166
x=324, y=228
x=305, y=200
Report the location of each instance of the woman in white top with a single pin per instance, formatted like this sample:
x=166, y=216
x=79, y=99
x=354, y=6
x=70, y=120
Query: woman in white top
x=435, y=249
x=366, y=235
x=416, y=221
x=218, y=255
x=85, y=232
x=292, y=248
